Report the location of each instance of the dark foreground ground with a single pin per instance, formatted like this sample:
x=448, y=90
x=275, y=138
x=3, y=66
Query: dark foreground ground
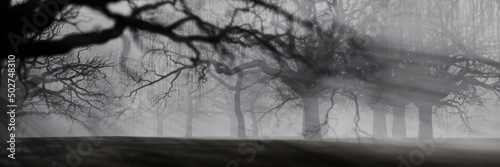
x=131, y=151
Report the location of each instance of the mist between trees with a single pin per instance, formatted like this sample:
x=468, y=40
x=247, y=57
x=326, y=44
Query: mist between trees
x=251, y=69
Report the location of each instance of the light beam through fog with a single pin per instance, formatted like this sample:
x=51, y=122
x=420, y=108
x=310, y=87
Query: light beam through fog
x=397, y=29
x=419, y=77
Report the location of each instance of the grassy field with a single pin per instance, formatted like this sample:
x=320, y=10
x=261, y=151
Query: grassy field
x=133, y=151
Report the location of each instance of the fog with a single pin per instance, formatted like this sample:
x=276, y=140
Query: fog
x=196, y=104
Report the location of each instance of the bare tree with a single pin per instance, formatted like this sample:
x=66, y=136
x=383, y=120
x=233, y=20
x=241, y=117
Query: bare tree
x=311, y=48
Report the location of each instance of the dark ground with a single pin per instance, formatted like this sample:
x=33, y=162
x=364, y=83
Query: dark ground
x=133, y=151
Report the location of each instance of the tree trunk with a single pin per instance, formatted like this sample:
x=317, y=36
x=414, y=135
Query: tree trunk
x=189, y=124
x=255, y=126
x=379, y=120
x=425, y=130
x=311, y=128
x=159, y=127
x=233, y=131
x=189, y=121
x=237, y=108
x=399, y=122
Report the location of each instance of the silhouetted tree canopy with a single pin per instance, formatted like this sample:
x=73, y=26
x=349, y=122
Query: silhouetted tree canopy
x=312, y=47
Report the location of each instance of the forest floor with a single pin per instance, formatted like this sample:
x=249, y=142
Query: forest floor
x=177, y=152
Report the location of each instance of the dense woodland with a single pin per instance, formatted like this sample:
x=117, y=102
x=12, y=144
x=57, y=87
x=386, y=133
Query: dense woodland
x=252, y=68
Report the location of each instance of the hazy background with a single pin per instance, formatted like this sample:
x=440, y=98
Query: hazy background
x=213, y=117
